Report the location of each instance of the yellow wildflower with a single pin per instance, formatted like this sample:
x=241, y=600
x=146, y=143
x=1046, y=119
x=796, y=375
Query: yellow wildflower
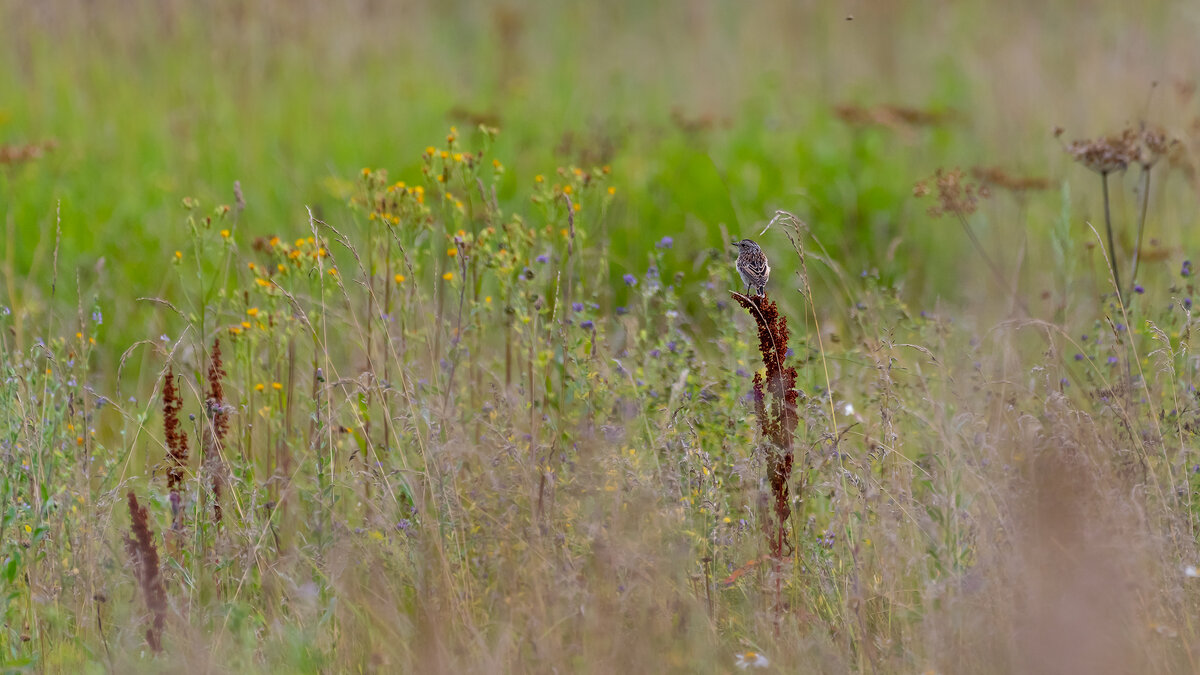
x=452, y=251
x=225, y=234
x=277, y=386
x=448, y=276
x=253, y=311
x=399, y=278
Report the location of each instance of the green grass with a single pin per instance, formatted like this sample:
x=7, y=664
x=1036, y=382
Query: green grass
x=460, y=470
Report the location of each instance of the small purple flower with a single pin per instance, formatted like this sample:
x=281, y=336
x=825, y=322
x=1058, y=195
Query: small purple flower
x=741, y=372
x=587, y=325
x=671, y=346
x=1112, y=360
x=1079, y=357
x=622, y=311
x=577, y=306
x=1083, y=337
x=1186, y=270
x=543, y=258
x=665, y=242
x=1120, y=327
x=655, y=353
x=1139, y=289
x=652, y=273
x=1187, y=303
x=630, y=280
x=1064, y=382
x=790, y=352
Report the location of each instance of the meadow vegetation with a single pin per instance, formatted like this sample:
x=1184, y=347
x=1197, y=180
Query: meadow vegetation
x=365, y=338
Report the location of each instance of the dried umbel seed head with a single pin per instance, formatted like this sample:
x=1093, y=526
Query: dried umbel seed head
x=954, y=194
x=1002, y=179
x=1105, y=155
x=1152, y=145
x=19, y=154
x=1143, y=146
x=894, y=117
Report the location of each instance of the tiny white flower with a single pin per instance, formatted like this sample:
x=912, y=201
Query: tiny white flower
x=1191, y=572
x=849, y=409
x=751, y=660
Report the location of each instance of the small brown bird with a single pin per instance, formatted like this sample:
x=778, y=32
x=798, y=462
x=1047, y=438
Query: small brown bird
x=752, y=266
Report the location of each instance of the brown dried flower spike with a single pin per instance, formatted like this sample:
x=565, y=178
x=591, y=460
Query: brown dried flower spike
x=177, y=440
x=778, y=419
x=144, y=556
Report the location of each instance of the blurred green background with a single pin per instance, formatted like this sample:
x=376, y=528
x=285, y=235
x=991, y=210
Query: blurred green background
x=711, y=113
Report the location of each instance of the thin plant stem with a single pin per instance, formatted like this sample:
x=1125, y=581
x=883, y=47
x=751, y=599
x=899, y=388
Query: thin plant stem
x=995, y=269
x=1137, y=246
x=1112, y=251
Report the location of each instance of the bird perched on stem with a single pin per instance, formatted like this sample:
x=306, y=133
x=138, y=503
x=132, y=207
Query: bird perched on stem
x=752, y=266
